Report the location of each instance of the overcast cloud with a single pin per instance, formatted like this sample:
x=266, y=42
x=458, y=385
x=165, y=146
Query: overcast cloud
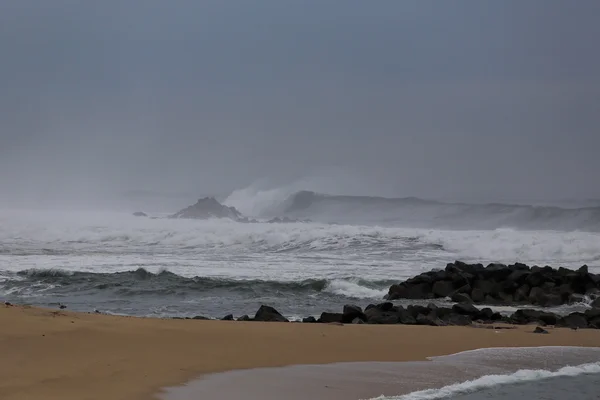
x=455, y=99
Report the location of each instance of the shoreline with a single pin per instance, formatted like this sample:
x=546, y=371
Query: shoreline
x=68, y=355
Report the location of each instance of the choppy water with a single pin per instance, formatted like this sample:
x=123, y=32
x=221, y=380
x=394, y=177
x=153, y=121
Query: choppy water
x=118, y=263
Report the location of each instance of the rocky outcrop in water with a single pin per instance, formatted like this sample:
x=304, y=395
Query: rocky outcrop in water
x=499, y=284
x=458, y=315
x=209, y=207
x=140, y=214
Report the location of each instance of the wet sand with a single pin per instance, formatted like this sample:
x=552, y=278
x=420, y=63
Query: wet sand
x=49, y=355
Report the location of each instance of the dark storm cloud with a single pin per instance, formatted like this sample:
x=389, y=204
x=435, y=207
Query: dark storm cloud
x=463, y=99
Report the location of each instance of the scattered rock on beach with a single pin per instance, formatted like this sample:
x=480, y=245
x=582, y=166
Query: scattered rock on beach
x=269, y=314
x=539, y=329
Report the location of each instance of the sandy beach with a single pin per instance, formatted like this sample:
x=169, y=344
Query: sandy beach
x=48, y=354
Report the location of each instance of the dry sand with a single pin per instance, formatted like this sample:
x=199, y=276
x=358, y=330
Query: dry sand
x=49, y=355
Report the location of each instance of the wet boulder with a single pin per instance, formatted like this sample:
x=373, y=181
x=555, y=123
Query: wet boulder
x=351, y=312
x=329, y=317
x=269, y=314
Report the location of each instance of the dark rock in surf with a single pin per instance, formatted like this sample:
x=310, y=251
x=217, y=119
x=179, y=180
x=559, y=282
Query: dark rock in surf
x=228, y=317
x=465, y=309
x=140, y=214
x=269, y=314
x=461, y=298
x=244, y=318
x=351, y=312
x=499, y=284
x=200, y=317
x=442, y=288
x=309, y=320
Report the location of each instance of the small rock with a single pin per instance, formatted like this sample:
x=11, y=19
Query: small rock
x=228, y=317
x=244, y=318
x=539, y=329
x=200, y=317
x=140, y=214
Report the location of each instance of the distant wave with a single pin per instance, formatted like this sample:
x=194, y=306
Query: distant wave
x=491, y=381
x=141, y=282
x=415, y=212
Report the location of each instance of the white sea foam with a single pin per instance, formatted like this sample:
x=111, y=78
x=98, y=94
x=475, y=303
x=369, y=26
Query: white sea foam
x=490, y=381
x=109, y=242
x=354, y=289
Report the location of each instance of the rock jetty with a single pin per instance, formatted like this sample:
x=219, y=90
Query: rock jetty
x=469, y=284
x=499, y=284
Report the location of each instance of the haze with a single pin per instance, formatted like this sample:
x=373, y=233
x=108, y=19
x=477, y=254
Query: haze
x=464, y=100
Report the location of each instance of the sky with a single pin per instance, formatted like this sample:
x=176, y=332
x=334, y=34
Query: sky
x=447, y=100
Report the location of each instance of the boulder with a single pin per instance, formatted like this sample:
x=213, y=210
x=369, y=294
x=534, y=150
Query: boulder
x=427, y=320
x=309, y=320
x=140, y=214
x=376, y=316
x=461, y=298
x=477, y=295
x=269, y=314
x=577, y=298
x=200, y=317
x=465, y=309
x=244, y=318
x=485, y=314
x=228, y=317
x=410, y=291
x=457, y=320
x=415, y=310
x=442, y=288
x=522, y=293
x=351, y=312
x=328, y=317
x=358, y=321
x=573, y=321
x=596, y=303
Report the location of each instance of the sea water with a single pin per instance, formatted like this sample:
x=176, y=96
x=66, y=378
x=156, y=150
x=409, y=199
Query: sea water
x=117, y=263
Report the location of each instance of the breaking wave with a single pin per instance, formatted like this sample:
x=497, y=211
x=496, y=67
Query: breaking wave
x=491, y=381
x=144, y=282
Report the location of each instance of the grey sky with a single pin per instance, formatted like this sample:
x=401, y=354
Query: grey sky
x=455, y=99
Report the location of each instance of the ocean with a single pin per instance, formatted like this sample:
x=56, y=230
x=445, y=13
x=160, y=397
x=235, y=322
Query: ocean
x=116, y=263
x=550, y=373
